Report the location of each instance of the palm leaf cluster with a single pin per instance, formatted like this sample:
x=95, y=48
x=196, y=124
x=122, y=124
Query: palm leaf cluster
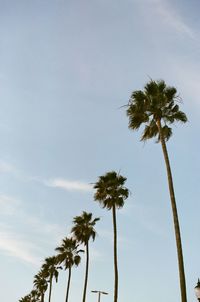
x=157, y=102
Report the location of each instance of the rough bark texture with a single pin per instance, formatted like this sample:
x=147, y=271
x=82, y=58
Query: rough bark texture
x=175, y=217
x=115, y=255
x=86, y=272
x=68, y=285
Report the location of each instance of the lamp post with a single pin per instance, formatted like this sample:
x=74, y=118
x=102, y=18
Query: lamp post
x=99, y=293
x=197, y=290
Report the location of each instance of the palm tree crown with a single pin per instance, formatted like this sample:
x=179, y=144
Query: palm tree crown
x=40, y=283
x=83, y=228
x=68, y=253
x=26, y=298
x=50, y=268
x=34, y=296
x=110, y=190
x=156, y=103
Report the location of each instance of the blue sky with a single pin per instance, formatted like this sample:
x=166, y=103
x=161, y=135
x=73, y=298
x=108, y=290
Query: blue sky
x=66, y=68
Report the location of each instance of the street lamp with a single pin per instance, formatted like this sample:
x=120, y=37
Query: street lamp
x=197, y=290
x=99, y=293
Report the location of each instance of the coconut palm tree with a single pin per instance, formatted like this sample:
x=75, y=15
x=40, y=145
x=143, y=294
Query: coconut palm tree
x=50, y=271
x=83, y=230
x=157, y=108
x=68, y=255
x=111, y=193
x=40, y=283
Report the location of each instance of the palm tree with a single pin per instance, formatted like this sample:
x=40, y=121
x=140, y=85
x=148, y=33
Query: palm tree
x=111, y=193
x=40, y=283
x=83, y=230
x=50, y=269
x=34, y=294
x=68, y=255
x=156, y=107
x=26, y=298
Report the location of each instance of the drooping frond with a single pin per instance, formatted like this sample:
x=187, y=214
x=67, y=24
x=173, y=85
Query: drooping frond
x=110, y=190
x=150, y=131
x=26, y=298
x=50, y=268
x=180, y=116
x=68, y=253
x=170, y=93
x=166, y=132
x=83, y=228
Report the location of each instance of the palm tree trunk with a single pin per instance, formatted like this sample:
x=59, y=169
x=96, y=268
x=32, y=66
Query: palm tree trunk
x=50, y=288
x=42, y=297
x=175, y=216
x=68, y=285
x=86, y=271
x=115, y=254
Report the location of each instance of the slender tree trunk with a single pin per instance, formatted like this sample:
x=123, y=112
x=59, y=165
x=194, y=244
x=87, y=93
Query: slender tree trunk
x=115, y=254
x=68, y=284
x=86, y=271
x=50, y=288
x=175, y=217
x=42, y=297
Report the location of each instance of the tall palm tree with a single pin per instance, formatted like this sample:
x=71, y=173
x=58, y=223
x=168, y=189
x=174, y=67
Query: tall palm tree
x=50, y=270
x=83, y=230
x=40, y=283
x=157, y=108
x=111, y=193
x=68, y=255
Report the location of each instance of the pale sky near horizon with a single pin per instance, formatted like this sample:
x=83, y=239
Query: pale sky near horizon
x=66, y=70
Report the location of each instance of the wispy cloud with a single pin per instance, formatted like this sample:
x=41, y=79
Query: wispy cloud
x=173, y=19
x=69, y=185
x=169, y=17
x=30, y=237
x=45, y=229
x=17, y=247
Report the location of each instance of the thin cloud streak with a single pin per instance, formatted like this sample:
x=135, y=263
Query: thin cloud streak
x=17, y=247
x=69, y=185
x=170, y=17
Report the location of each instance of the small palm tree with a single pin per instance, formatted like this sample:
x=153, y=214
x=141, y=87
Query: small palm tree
x=50, y=270
x=68, y=255
x=111, y=193
x=83, y=230
x=35, y=296
x=26, y=298
x=156, y=107
x=40, y=283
